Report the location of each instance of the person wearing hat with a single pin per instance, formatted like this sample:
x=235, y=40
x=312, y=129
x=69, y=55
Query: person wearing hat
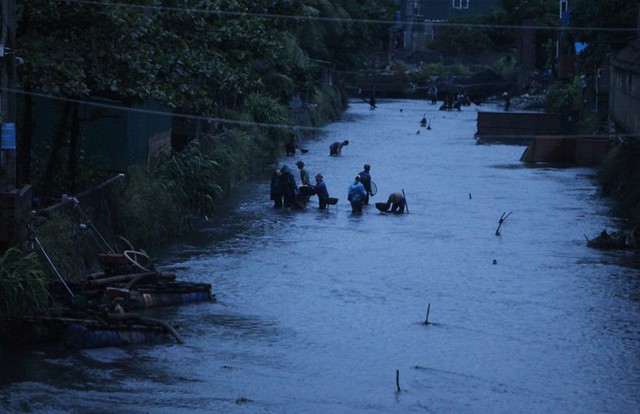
x=335, y=149
x=304, y=174
x=356, y=195
x=365, y=179
x=321, y=191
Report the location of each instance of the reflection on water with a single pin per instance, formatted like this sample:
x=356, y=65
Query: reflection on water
x=317, y=310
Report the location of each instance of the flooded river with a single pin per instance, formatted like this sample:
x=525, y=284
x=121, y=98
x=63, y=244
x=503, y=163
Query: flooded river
x=324, y=311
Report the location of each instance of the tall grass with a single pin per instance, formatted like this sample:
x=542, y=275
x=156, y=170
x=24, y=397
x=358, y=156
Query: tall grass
x=23, y=285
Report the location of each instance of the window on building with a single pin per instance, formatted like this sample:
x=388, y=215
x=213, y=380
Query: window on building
x=460, y=4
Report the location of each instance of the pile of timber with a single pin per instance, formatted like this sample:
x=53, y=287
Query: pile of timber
x=97, y=313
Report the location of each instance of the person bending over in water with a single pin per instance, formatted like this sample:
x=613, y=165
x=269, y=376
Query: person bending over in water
x=397, y=203
x=335, y=149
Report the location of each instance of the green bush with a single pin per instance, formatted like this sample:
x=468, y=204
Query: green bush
x=563, y=97
x=434, y=69
x=619, y=176
x=461, y=70
x=330, y=103
x=190, y=176
x=505, y=67
x=146, y=209
x=71, y=248
x=23, y=285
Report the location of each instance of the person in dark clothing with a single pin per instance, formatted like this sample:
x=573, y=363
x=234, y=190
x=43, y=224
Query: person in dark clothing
x=507, y=100
x=288, y=186
x=365, y=179
x=321, y=191
x=372, y=98
x=433, y=94
x=291, y=145
x=335, y=149
x=397, y=203
x=276, y=191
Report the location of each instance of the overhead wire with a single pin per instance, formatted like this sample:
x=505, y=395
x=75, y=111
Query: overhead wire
x=224, y=121
x=241, y=14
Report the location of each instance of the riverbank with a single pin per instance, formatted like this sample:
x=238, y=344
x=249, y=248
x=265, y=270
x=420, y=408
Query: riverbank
x=619, y=177
x=156, y=202
x=98, y=218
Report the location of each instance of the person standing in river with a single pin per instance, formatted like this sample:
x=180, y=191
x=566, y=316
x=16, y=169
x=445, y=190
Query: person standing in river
x=335, y=149
x=356, y=195
x=292, y=144
x=304, y=174
x=365, y=179
x=321, y=191
x=288, y=186
x=306, y=188
x=276, y=191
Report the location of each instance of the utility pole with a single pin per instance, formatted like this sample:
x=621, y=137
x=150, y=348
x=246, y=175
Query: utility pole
x=8, y=99
x=15, y=203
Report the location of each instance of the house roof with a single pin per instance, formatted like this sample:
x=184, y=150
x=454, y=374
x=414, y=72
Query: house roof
x=443, y=10
x=629, y=57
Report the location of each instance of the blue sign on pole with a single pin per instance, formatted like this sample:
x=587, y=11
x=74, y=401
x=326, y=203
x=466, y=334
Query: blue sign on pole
x=8, y=141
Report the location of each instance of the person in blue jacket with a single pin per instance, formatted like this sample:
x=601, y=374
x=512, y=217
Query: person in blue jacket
x=321, y=191
x=356, y=195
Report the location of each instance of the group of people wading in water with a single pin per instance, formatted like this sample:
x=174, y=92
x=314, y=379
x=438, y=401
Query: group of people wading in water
x=286, y=193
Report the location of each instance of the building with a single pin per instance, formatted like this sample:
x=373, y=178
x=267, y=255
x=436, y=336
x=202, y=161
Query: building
x=418, y=19
x=624, y=91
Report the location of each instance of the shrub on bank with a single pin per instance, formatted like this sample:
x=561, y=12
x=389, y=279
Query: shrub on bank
x=24, y=288
x=619, y=176
x=155, y=201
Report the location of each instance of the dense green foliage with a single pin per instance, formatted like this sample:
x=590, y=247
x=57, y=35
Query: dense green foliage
x=602, y=24
x=158, y=199
x=563, y=97
x=497, y=30
x=619, y=176
x=203, y=58
x=70, y=243
x=23, y=286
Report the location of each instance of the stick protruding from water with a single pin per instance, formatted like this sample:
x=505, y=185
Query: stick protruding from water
x=426, y=321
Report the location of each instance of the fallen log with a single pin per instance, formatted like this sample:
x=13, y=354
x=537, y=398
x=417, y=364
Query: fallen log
x=106, y=281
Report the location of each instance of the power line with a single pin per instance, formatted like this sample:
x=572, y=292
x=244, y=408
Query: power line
x=240, y=14
x=161, y=113
x=231, y=121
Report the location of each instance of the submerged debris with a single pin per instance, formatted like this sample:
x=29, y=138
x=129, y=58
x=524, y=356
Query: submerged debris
x=615, y=240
